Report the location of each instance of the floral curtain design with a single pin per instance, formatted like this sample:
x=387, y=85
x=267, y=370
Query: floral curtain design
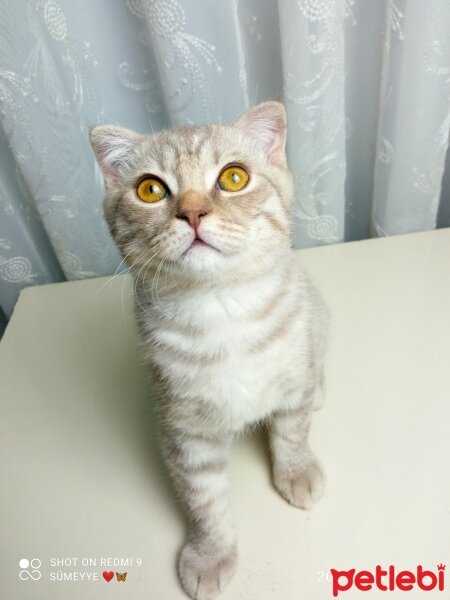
x=366, y=86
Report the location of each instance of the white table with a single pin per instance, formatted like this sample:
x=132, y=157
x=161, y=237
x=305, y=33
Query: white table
x=80, y=469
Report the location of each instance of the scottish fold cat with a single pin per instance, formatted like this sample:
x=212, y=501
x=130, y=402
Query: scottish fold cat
x=230, y=322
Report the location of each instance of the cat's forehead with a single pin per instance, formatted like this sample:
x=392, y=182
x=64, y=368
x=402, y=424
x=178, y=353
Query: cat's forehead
x=190, y=155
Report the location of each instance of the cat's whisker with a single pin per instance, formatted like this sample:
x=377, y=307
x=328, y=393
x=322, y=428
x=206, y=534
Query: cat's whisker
x=155, y=298
x=114, y=275
x=148, y=262
x=172, y=265
x=122, y=292
x=135, y=279
x=136, y=282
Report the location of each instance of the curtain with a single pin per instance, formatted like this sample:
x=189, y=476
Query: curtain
x=366, y=86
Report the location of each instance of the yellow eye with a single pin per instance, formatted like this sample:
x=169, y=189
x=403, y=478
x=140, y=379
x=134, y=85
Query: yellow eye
x=151, y=190
x=233, y=179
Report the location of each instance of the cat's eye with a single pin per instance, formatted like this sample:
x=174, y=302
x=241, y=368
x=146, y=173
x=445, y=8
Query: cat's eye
x=233, y=179
x=151, y=189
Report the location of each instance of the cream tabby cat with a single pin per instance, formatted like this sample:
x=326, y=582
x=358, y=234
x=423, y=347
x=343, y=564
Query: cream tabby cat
x=229, y=320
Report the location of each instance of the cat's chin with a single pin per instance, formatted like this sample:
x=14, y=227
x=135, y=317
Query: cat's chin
x=202, y=258
x=203, y=261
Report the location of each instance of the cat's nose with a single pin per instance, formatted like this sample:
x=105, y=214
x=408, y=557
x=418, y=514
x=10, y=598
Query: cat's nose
x=192, y=205
x=193, y=216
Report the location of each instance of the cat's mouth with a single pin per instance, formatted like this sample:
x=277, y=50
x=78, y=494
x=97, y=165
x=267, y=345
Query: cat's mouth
x=199, y=242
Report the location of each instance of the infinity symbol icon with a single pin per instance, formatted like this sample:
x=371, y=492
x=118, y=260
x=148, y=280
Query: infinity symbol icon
x=35, y=565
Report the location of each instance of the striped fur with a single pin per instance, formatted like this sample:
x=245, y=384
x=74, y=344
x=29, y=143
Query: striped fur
x=235, y=330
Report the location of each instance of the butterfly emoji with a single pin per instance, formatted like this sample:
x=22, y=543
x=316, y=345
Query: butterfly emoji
x=121, y=576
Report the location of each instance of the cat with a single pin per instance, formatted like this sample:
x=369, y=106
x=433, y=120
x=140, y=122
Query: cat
x=229, y=319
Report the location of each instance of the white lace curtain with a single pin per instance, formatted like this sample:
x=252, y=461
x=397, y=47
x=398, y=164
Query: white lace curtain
x=366, y=85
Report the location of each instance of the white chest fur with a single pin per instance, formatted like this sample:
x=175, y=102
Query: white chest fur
x=232, y=355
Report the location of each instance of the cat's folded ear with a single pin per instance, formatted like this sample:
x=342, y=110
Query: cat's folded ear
x=265, y=124
x=112, y=147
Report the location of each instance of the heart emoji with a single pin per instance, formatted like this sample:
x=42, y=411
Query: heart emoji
x=108, y=575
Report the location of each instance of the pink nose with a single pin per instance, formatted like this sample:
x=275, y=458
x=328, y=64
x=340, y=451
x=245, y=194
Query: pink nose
x=193, y=216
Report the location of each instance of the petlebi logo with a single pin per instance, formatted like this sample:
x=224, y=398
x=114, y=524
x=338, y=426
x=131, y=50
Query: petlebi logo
x=389, y=580
x=29, y=569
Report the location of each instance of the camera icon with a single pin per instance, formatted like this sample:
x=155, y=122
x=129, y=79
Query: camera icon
x=29, y=569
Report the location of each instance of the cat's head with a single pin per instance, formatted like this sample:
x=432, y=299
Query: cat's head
x=201, y=200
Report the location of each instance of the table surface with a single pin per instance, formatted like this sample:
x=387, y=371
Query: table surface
x=82, y=476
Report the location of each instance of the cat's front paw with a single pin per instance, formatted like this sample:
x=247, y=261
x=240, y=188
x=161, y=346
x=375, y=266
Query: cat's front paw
x=302, y=487
x=203, y=571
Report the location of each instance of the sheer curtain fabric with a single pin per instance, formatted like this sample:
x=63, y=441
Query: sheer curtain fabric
x=366, y=86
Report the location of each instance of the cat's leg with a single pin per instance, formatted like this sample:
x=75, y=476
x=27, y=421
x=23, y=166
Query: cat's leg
x=297, y=473
x=197, y=465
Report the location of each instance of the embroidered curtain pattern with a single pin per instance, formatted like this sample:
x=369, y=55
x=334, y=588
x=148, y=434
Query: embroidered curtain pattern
x=366, y=86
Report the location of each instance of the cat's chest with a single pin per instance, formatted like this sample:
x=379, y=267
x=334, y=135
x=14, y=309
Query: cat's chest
x=219, y=350
x=211, y=327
